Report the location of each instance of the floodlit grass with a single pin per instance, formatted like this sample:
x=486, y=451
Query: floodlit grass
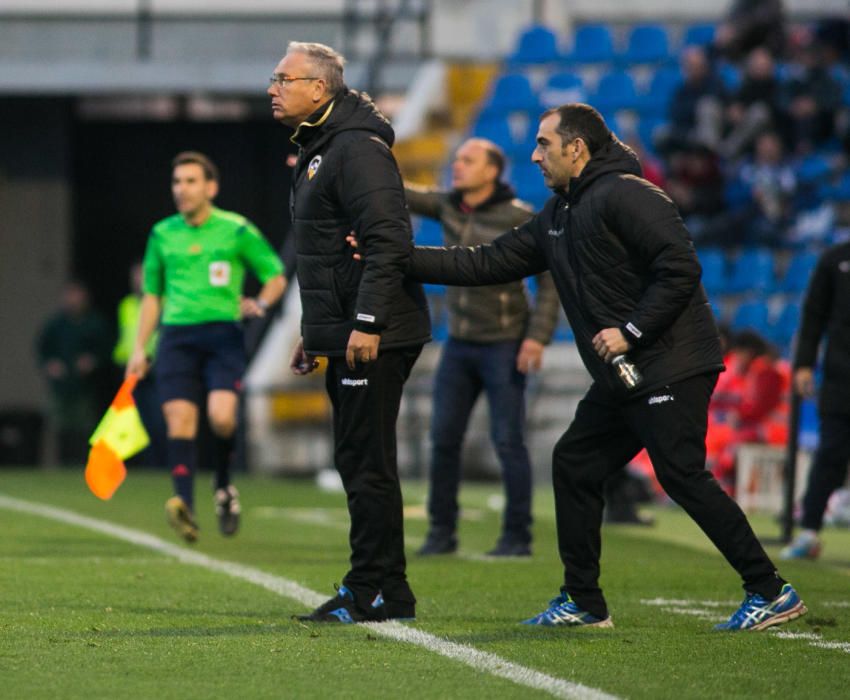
x=84, y=615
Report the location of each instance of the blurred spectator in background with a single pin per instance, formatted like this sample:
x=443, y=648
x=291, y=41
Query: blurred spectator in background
x=826, y=313
x=809, y=100
x=749, y=406
x=147, y=400
x=753, y=106
x=496, y=338
x=764, y=199
x=696, y=109
x=73, y=351
x=749, y=24
x=695, y=184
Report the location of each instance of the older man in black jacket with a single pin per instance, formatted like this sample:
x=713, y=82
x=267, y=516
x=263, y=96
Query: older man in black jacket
x=629, y=280
x=368, y=319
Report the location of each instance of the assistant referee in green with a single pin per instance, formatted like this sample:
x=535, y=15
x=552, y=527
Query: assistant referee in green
x=194, y=267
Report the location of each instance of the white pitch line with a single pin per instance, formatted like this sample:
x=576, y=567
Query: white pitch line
x=685, y=607
x=474, y=658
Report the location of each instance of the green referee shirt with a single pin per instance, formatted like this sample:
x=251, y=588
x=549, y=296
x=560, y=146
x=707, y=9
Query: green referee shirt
x=200, y=269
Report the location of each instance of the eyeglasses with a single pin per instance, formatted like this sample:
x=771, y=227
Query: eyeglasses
x=282, y=80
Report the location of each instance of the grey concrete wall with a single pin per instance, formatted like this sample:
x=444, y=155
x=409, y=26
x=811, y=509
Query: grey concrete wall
x=35, y=219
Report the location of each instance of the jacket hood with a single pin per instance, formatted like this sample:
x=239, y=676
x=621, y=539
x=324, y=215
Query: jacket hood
x=347, y=110
x=503, y=193
x=613, y=157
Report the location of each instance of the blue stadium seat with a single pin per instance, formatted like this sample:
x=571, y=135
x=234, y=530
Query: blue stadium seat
x=592, y=43
x=713, y=271
x=813, y=169
x=512, y=92
x=615, y=90
x=753, y=271
x=495, y=128
x=536, y=45
x=698, y=35
x=612, y=122
x=796, y=277
x=730, y=75
x=562, y=88
x=736, y=194
x=656, y=101
x=752, y=315
x=839, y=190
x=564, y=332
x=528, y=182
x=647, y=43
x=647, y=128
x=429, y=232
x=783, y=329
x=809, y=424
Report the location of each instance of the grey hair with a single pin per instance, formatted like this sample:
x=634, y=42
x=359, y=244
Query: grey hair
x=328, y=64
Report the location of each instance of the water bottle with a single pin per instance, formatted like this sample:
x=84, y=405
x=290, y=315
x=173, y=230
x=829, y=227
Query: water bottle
x=628, y=373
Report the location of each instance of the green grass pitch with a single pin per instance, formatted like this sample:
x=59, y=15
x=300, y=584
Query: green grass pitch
x=87, y=615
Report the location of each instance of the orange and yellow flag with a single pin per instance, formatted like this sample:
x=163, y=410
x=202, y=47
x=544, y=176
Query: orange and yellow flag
x=119, y=435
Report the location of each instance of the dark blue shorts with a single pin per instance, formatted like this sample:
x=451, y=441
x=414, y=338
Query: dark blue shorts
x=192, y=360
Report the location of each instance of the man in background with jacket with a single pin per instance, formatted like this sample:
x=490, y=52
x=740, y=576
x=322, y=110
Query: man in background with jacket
x=495, y=339
x=629, y=280
x=826, y=313
x=367, y=319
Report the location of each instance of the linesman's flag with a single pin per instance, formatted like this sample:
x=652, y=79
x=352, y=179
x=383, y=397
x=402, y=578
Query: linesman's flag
x=119, y=436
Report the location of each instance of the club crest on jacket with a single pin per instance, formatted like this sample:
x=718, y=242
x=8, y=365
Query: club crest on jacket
x=313, y=167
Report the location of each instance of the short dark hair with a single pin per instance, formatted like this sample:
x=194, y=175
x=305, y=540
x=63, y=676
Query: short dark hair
x=580, y=121
x=748, y=339
x=209, y=168
x=496, y=157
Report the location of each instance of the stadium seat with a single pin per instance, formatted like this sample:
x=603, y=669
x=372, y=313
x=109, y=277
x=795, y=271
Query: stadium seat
x=656, y=101
x=564, y=332
x=647, y=128
x=495, y=128
x=753, y=271
x=713, y=271
x=786, y=325
x=736, y=194
x=615, y=90
x=730, y=75
x=752, y=315
x=528, y=182
x=698, y=35
x=562, y=88
x=429, y=232
x=512, y=92
x=813, y=169
x=647, y=43
x=536, y=45
x=839, y=190
x=592, y=43
x=796, y=277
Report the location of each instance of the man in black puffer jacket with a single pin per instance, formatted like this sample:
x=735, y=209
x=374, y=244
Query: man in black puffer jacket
x=629, y=280
x=368, y=319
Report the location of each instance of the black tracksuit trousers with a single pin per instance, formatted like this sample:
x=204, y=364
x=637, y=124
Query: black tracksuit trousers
x=365, y=403
x=829, y=468
x=604, y=436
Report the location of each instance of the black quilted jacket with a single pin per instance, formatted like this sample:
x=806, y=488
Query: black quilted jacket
x=620, y=256
x=346, y=179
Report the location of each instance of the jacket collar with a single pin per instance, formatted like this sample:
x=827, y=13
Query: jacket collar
x=315, y=120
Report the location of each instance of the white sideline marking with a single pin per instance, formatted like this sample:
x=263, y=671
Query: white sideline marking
x=476, y=659
x=685, y=607
x=815, y=640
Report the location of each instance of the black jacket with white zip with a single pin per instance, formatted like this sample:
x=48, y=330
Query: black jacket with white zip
x=620, y=257
x=346, y=179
